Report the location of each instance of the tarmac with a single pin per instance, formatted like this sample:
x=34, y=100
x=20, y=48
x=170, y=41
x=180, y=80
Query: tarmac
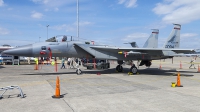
x=103, y=90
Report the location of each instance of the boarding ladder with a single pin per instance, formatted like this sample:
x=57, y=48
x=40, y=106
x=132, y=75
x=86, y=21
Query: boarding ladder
x=11, y=88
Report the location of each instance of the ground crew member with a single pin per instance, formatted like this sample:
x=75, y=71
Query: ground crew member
x=36, y=61
x=28, y=58
x=192, y=63
x=52, y=62
x=63, y=63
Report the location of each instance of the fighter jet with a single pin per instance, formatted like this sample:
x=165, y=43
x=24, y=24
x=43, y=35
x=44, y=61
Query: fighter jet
x=5, y=47
x=81, y=49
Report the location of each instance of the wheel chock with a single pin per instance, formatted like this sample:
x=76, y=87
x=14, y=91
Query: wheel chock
x=173, y=84
x=130, y=73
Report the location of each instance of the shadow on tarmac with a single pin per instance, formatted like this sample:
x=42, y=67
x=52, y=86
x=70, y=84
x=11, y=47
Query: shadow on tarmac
x=147, y=71
x=1, y=67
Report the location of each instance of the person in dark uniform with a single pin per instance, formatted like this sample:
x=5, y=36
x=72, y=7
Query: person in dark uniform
x=63, y=63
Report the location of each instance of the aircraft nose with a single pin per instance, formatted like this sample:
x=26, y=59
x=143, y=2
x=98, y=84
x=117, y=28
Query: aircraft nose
x=20, y=51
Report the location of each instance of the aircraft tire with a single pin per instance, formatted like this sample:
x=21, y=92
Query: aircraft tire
x=119, y=68
x=134, y=69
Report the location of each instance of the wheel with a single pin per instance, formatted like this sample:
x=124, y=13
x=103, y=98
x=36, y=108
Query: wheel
x=119, y=68
x=133, y=69
x=78, y=71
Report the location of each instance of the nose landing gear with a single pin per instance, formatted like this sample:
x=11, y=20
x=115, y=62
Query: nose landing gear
x=119, y=68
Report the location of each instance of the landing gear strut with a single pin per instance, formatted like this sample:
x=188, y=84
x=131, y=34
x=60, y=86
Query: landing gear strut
x=78, y=71
x=119, y=67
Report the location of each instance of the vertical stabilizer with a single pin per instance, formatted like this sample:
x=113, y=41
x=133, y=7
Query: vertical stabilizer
x=173, y=41
x=152, y=41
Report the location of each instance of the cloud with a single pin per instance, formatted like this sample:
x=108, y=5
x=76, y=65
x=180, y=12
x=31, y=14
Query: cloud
x=178, y=11
x=128, y=3
x=71, y=27
x=135, y=36
x=190, y=42
x=36, y=15
x=40, y=1
x=15, y=43
x=60, y=27
x=1, y=3
x=3, y=31
x=188, y=35
x=84, y=23
x=56, y=9
x=65, y=27
x=10, y=9
x=53, y=3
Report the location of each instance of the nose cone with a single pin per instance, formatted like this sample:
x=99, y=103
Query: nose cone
x=20, y=51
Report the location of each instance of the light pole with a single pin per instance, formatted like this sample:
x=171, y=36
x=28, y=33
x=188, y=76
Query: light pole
x=77, y=19
x=39, y=39
x=47, y=31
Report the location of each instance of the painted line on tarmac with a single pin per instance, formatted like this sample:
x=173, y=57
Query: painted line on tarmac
x=33, y=83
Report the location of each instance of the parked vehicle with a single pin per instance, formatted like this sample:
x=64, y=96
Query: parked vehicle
x=98, y=64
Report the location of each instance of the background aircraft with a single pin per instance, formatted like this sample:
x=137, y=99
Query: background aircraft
x=5, y=47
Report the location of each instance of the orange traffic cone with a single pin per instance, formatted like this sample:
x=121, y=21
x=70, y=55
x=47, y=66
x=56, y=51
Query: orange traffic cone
x=160, y=66
x=98, y=73
x=178, y=83
x=180, y=65
x=57, y=90
x=198, y=69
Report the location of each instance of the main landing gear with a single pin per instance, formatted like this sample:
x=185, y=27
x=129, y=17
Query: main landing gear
x=133, y=69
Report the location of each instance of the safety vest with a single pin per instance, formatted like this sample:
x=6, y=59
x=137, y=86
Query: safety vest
x=36, y=61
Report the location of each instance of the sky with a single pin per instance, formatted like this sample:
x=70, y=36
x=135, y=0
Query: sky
x=111, y=22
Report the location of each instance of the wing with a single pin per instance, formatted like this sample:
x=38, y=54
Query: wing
x=107, y=52
x=142, y=50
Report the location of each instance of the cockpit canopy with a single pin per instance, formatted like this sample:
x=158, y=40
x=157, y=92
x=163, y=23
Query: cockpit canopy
x=61, y=38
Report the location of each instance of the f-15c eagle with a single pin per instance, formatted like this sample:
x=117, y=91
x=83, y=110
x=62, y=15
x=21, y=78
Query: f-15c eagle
x=81, y=49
